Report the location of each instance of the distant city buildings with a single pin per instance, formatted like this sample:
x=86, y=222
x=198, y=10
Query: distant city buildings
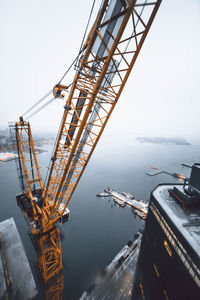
x=8, y=145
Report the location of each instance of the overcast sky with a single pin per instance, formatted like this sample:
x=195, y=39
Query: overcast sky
x=40, y=39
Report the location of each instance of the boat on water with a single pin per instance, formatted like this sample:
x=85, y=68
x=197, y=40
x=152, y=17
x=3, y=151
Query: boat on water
x=108, y=190
x=128, y=195
x=118, y=196
x=139, y=206
x=141, y=214
x=120, y=202
x=103, y=195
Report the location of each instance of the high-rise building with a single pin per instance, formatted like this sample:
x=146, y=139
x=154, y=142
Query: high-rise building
x=169, y=260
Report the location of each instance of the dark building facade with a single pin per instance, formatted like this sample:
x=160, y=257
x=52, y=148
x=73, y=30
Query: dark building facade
x=169, y=261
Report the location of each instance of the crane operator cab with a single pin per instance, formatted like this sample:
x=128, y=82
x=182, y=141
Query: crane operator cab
x=57, y=91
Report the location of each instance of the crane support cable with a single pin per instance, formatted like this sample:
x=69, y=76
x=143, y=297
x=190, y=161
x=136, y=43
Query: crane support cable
x=81, y=49
x=48, y=94
x=51, y=91
x=38, y=102
x=74, y=61
x=70, y=66
x=42, y=107
x=87, y=25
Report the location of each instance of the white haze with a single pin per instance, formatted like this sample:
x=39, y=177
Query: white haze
x=40, y=39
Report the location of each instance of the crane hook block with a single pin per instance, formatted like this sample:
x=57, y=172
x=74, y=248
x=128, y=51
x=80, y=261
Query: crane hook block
x=57, y=90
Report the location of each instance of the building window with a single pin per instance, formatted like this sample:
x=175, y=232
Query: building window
x=167, y=248
x=156, y=270
x=141, y=287
x=176, y=244
x=165, y=293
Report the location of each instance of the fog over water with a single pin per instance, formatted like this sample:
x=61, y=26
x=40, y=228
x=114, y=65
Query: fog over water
x=98, y=229
x=42, y=38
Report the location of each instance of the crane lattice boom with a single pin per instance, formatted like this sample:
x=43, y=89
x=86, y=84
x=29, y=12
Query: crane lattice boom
x=110, y=53
x=106, y=60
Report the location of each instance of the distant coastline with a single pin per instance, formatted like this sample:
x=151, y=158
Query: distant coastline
x=163, y=141
x=8, y=147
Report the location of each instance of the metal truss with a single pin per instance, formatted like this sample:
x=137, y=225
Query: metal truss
x=109, y=55
x=28, y=164
x=49, y=254
x=102, y=73
x=54, y=289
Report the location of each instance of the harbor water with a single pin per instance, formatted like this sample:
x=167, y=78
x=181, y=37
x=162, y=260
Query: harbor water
x=98, y=228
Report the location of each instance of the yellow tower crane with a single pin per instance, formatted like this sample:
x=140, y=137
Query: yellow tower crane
x=107, y=58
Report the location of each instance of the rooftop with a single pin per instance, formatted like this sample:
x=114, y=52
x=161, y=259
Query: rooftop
x=187, y=221
x=16, y=279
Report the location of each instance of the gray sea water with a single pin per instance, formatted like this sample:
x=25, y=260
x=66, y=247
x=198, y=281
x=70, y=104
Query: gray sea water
x=98, y=228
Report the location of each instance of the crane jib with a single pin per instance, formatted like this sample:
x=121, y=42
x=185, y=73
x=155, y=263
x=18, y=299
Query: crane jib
x=79, y=107
x=106, y=60
x=102, y=73
x=105, y=83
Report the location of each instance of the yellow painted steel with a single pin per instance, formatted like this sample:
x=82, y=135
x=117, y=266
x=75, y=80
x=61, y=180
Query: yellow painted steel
x=98, y=84
x=54, y=288
x=125, y=49
x=28, y=157
x=49, y=254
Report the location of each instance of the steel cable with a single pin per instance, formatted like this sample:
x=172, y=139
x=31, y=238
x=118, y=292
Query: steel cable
x=38, y=102
x=80, y=50
x=45, y=96
x=42, y=107
x=70, y=66
x=87, y=24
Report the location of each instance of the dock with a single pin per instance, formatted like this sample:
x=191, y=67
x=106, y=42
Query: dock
x=139, y=207
x=16, y=279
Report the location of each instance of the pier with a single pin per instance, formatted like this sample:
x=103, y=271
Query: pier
x=139, y=207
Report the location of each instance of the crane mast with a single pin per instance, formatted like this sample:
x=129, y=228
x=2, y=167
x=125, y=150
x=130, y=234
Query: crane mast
x=28, y=164
x=102, y=70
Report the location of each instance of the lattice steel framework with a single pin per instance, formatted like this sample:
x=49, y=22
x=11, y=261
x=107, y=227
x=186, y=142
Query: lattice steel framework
x=111, y=51
x=54, y=289
x=49, y=254
x=108, y=57
x=47, y=244
x=28, y=164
